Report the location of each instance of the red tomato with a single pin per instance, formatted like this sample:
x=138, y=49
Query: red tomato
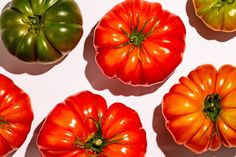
x=83, y=126
x=139, y=43
x=15, y=116
x=200, y=110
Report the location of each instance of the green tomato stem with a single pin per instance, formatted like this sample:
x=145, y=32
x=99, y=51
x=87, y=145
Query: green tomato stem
x=212, y=106
x=95, y=143
x=226, y=1
x=212, y=110
x=3, y=122
x=35, y=22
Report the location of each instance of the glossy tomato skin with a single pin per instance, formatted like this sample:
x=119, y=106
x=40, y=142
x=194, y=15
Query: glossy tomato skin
x=41, y=31
x=184, y=109
x=139, y=43
x=15, y=116
x=219, y=15
x=76, y=118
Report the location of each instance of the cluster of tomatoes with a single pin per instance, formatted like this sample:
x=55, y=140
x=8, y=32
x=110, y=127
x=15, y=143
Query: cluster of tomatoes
x=137, y=42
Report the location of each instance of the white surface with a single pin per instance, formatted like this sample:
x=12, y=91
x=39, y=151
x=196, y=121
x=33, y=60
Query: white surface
x=49, y=85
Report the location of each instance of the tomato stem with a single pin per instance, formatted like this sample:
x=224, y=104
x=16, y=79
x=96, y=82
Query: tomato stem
x=212, y=109
x=35, y=23
x=227, y=1
x=95, y=141
x=136, y=37
x=212, y=106
x=3, y=122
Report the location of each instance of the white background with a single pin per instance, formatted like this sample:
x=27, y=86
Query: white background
x=48, y=85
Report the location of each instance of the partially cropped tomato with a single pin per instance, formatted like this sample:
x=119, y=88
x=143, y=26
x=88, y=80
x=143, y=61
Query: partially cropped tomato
x=41, y=30
x=200, y=109
x=15, y=116
x=83, y=126
x=219, y=15
x=139, y=42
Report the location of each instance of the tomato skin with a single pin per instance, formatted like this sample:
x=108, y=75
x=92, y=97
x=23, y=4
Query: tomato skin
x=41, y=31
x=72, y=119
x=137, y=53
x=184, y=109
x=218, y=15
x=16, y=116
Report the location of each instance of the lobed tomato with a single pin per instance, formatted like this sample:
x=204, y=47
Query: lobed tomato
x=16, y=116
x=139, y=43
x=200, y=109
x=83, y=126
x=41, y=31
x=219, y=15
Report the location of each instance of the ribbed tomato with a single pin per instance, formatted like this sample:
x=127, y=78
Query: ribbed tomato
x=83, y=126
x=42, y=31
x=15, y=116
x=139, y=42
x=200, y=110
x=219, y=15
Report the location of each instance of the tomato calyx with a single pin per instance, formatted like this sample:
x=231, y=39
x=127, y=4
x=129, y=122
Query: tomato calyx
x=35, y=22
x=95, y=141
x=212, y=110
x=226, y=1
x=222, y=3
x=212, y=106
x=136, y=37
x=3, y=122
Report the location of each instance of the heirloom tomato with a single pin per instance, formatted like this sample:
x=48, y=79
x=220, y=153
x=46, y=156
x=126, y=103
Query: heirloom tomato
x=83, y=126
x=219, y=15
x=200, y=109
x=139, y=42
x=41, y=30
x=15, y=116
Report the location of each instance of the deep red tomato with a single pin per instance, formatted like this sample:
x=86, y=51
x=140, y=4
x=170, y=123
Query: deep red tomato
x=139, y=42
x=15, y=116
x=200, y=111
x=83, y=126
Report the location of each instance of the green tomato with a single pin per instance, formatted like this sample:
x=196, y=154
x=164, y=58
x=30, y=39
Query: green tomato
x=219, y=15
x=41, y=30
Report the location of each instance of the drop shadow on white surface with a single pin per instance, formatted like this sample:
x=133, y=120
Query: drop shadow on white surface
x=202, y=29
x=32, y=149
x=11, y=154
x=14, y=65
x=171, y=149
x=101, y=82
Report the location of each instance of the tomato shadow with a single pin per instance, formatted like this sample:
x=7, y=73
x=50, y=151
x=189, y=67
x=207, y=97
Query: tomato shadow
x=32, y=149
x=170, y=148
x=14, y=65
x=11, y=154
x=101, y=82
x=202, y=29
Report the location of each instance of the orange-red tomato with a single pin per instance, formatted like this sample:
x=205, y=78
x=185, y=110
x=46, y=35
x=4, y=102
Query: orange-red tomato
x=15, y=116
x=200, y=109
x=83, y=126
x=139, y=43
